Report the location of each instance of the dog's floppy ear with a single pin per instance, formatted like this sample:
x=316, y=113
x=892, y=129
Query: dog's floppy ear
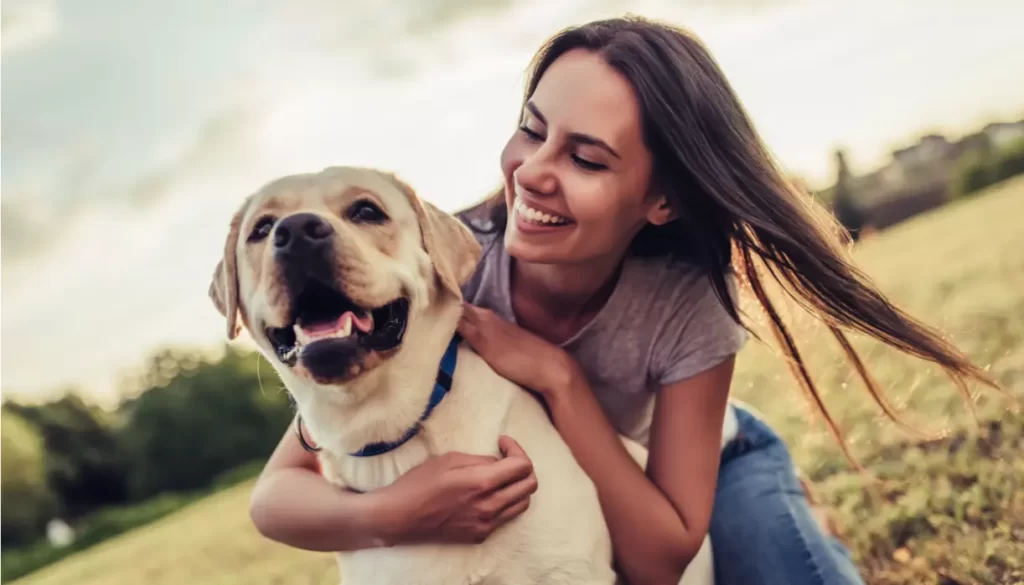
x=224, y=287
x=451, y=246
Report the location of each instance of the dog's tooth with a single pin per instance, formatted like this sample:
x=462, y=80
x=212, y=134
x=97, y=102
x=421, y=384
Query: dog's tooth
x=346, y=325
x=300, y=335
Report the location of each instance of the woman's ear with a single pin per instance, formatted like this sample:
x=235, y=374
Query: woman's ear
x=661, y=212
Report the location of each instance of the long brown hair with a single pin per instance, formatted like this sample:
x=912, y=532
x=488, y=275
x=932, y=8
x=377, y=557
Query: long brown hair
x=736, y=209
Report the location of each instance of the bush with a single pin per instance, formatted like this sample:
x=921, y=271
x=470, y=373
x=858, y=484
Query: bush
x=85, y=467
x=204, y=419
x=1010, y=162
x=27, y=501
x=235, y=476
x=979, y=171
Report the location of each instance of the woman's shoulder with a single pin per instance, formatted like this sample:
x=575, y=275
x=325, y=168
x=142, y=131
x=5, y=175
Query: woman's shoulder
x=672, y=284
x=693, y=329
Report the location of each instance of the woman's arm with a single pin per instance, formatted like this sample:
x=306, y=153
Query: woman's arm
x=293, y=504
x=456, y=497
x=657, y=521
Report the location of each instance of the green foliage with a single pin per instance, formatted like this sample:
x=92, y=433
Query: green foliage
x=85, y=466
x=199, y=419
x=192, y=426
x=27, y=502
x=980, y=171
x=1010, y=162
x=237, y=475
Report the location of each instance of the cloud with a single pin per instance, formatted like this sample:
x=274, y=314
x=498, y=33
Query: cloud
x=217, y=145
x=26, y=23
x=22, y=226
x=386, y=39
x=36, y=224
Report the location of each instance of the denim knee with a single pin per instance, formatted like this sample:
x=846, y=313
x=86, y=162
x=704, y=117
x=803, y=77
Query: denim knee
x=762, y=526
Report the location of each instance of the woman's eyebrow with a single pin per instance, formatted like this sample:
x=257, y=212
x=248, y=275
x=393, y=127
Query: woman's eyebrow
x=536, y=113
x=574, y=136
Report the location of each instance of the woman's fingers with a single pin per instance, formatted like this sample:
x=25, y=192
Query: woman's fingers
x=509, y=496
x=514, y=466
x=488, y=478
x=510, y=448
x=511, y=512
x=456, y=459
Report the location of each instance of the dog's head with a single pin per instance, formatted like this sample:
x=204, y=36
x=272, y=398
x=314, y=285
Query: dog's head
x=327, y=270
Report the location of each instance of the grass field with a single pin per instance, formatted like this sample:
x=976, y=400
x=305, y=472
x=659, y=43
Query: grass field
x=941, y=511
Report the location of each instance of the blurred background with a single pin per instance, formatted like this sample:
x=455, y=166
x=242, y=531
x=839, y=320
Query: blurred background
x=132, y=129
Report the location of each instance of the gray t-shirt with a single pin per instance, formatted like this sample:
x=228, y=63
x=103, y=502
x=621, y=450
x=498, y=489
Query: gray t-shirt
x=661, y=324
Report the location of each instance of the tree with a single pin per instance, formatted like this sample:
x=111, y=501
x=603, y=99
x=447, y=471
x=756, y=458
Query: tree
x=85, y=466
x=199, y=419
x=844, y=205
x=27, y=502
x=1010, y=162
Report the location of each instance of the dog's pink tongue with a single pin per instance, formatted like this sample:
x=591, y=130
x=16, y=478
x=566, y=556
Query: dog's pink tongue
x=328, y=327
x=364, y=323
x=343, y=323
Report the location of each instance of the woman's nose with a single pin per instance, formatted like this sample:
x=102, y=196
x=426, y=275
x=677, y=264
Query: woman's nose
x=537, y=175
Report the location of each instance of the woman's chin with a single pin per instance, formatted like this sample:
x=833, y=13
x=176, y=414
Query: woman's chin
x=527, y=247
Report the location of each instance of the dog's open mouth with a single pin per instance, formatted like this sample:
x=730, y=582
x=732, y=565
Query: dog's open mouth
x=325, y=321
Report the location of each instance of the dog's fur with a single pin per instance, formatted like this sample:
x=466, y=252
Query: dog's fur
x=423, y=255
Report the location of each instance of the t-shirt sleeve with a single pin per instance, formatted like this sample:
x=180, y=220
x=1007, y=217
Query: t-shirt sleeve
x=698, y=333
x=486, y=238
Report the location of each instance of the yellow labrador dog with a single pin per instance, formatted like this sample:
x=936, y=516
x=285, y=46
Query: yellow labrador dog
x=351, y=287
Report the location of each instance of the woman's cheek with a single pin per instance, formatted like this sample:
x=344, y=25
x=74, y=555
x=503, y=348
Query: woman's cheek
x=605, y=216
x=512, y=157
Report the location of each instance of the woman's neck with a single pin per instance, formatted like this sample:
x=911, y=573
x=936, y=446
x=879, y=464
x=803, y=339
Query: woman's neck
x=555, y=301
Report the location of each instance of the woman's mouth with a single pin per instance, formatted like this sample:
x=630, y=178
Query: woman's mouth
x=537, y=217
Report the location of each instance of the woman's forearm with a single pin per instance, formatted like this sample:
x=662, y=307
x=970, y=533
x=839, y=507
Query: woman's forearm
x=651, y=542
x=295, y=506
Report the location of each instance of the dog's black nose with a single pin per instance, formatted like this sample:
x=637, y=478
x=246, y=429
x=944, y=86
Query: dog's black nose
x=301, y=233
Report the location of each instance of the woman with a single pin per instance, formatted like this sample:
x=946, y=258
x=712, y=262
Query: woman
x=632, y=189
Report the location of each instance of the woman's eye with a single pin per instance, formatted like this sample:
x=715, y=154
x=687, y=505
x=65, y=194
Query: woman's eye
x=366, y=212
x=588, y=165
x=530, y=133
x=262, y=229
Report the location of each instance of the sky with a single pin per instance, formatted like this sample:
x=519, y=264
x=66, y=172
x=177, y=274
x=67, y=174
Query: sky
x=132, y=129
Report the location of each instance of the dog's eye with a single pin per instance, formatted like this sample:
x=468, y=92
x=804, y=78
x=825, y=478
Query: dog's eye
x=366, y=212
x=262, y=229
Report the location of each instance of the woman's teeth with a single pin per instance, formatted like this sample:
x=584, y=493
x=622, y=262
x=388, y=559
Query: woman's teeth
x=536, y=216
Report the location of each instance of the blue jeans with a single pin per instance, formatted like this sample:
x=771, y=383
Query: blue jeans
x=762, y=529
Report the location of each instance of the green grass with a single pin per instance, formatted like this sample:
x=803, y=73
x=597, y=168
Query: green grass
x=941, y=511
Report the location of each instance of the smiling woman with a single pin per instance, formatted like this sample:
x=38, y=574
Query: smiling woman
x=631, y=133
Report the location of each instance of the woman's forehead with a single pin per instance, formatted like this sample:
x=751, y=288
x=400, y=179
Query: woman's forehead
x=582, y=93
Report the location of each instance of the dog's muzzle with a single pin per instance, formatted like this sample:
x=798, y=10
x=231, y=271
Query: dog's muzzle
x=325, y=329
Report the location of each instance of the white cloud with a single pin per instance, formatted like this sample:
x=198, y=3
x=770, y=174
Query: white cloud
x=27, y=23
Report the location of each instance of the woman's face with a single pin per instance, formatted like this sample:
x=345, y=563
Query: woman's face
x=577, y=172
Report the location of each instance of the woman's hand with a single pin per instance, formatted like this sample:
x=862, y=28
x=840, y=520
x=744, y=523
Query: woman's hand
x=461, y=498
x=517, y=354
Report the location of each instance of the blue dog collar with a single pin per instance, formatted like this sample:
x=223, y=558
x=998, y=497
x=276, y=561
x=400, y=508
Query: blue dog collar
x=442, y=385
